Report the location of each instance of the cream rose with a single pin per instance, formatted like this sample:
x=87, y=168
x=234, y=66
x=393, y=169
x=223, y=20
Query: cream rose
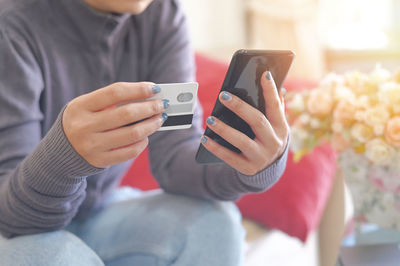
x=362, y=102
x=337, y=127
x=379, y=75
x=298, y=138
x=296, y=102
x=392, y=131
x=379, y=130
x=304, y=119
x=332, y=80
x=339, y=143
x=319, y=102
x=390, y=95
x=356, y=81
x=360, y=115
x=361, y=132
x=315, y=123
x=344, y=112
x=343, y=93
x=396, y=76
x=377, y=115
x=379, y=152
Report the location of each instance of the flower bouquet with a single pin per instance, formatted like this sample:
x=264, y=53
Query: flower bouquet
x=359, y=115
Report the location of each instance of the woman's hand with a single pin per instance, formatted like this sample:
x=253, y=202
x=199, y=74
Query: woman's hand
x=271, y=134
x=95, y=123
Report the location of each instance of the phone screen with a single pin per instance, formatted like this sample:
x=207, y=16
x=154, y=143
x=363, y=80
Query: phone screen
x=243, y=79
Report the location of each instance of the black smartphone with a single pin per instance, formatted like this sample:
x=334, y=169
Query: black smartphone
x=243, y=79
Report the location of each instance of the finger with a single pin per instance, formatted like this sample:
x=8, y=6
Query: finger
x=283, y=103
x=282, y=95
x=124, y=136
x=116, y=93
x=233, y=159
x=256, y=120
x=129, y=113
x=273, y=107
x=126, y=153
x=247, y=146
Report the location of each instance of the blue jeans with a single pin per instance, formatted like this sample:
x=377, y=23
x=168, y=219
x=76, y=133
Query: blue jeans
x=138, y=228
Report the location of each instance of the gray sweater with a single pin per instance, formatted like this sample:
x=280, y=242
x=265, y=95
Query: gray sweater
x=52, y=51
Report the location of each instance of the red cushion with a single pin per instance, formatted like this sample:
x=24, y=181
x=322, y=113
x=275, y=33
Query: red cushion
x=295, y=204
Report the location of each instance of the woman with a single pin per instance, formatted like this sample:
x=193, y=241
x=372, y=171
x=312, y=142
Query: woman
x=66, y=67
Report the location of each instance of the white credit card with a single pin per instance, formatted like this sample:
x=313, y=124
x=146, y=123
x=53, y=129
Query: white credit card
x=182, y=99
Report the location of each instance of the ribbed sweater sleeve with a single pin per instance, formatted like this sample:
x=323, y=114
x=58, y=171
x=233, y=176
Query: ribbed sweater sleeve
x=172, y=154
x=42, y=180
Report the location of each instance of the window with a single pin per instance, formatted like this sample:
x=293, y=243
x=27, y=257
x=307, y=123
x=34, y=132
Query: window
x=359, y=24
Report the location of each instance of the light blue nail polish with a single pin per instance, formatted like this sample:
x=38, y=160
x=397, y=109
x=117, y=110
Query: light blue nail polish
x=226, y=96
x=164, y=116
x=156, y=89
x=166, y=103
x=284, y=92
x=210, y=120
x=268, y=76
x=204, y=139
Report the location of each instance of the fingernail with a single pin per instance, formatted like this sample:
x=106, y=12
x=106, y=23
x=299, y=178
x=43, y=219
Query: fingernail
x=284, y=92
x=226, y=96
x=164, y=116
x=165, y=103
x=210, y=120
x=156, y=89
x=204, y=139
x=268, y=75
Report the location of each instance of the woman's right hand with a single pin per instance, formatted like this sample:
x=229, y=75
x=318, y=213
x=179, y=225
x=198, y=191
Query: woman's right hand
x=95, y=123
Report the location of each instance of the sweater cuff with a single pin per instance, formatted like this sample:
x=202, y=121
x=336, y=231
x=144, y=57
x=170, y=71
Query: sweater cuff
x=268, y=177
x=54, y=167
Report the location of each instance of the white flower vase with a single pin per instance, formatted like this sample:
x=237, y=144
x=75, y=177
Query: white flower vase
x=375, y=190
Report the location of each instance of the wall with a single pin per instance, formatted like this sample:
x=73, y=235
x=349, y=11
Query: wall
x=217, y=26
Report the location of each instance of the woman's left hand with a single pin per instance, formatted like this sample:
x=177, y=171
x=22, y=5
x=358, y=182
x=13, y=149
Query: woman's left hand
x=271, y=133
